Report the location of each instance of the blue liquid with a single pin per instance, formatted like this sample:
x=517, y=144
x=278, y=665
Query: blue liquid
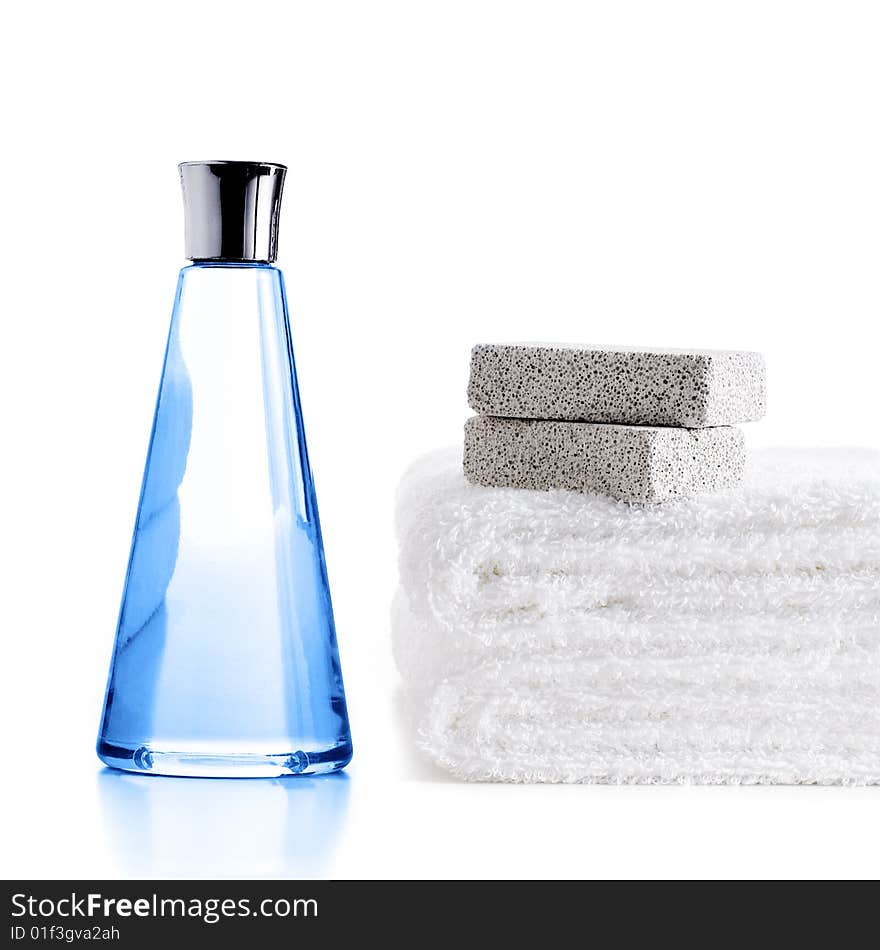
x=225, y=661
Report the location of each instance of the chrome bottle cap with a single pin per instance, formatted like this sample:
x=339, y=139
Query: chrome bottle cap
x=231, y=210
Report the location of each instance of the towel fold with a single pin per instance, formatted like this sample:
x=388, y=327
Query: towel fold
x=568, y=637
x=803, y=525
x=558, y=719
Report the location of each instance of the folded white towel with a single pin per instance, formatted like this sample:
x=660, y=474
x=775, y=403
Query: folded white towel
x=802, y=531
x=425, y=654
x=553, y=719
x=733, y=637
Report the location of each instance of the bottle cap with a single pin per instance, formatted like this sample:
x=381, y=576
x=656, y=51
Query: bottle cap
x=231, y=210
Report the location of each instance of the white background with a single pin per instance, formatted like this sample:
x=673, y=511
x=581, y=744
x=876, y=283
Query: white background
x=693, y=174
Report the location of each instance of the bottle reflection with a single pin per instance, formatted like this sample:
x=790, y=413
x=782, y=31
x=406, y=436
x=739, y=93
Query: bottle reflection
x=166, y=827
x=141, y=637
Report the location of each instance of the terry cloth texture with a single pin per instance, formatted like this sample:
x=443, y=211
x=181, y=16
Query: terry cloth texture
x=553, y=636
x=638, y=464
x=617, y=384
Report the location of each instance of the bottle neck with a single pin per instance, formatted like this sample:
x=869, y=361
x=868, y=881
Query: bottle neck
x=233, y=265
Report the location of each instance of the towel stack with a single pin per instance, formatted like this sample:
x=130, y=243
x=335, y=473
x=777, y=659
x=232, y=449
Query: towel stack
x=641, y=425
x=730, y=636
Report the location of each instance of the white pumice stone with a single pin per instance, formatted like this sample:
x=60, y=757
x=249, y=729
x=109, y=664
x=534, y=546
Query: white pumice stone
x=636, y=464
x=617, y=384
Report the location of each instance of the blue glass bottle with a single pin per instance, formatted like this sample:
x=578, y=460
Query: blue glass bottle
x=225, y=661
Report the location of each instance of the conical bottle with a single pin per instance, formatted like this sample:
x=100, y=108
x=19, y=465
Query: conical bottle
x=225, y=661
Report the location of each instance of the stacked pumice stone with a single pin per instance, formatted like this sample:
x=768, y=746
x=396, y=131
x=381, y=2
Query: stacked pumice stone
x=641, y=425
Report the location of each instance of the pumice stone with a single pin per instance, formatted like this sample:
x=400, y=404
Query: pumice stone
x=617, y=384
x=637, y=464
